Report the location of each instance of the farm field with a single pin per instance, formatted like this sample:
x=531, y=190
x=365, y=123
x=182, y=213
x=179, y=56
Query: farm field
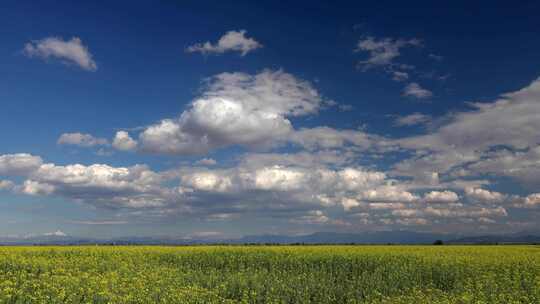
x=270, y=274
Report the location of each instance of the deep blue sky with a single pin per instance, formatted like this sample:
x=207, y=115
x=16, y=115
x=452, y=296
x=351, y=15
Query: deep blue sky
x=144, y=75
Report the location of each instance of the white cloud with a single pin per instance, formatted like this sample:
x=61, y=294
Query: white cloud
x=486, y=196
x=106, y=222
x=6, y=185
x=19, y=164
x=412, y=221
x=413, y=89
x=386, y=206
x=383, y=51
x=486, y=220
x=532, y=199
x=313, y=217
x=69, y=51
x=441, y=197
x=328, y=138
x=206, y=162
x=511, y=120
x=261, y=184
x=207, y=181
x=232, y=41
x=122, y=141
x=55, y=233
x=350, y=203
x=412, y=119
x=295, y=185
x=82, y=140
x=498, y=138
x=388, y=193
x=31, y=187
x=523, y=166
x=235, y=109
x=464, y=152
x=135, y=186
x=466, y=213
x=407, y=212
x=300, y=159
x=399, y=75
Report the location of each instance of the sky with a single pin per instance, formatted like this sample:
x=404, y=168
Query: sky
x=212, y=119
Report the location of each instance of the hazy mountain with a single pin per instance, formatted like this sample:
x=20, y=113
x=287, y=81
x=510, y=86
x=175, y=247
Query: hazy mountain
x=380, y=237
x=516, y=238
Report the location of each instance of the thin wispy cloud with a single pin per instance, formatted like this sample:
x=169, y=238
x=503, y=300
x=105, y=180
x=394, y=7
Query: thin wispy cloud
x=80, y=139
x=92, y=223
x=232, y=41
x=382, y=52
x=71, y=52
x=412, y=119
x=416, y=91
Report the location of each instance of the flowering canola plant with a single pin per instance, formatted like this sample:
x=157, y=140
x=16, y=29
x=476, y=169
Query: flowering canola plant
x=270, y=274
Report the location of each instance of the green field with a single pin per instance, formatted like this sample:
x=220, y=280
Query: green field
x=271, y=274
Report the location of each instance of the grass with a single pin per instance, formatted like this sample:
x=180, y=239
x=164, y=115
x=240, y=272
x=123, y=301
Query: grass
x=271, y=274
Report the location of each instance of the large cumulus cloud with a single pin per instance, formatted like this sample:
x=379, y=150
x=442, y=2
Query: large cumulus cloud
x=235, y=109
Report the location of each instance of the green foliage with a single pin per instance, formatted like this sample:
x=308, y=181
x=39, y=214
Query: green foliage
x=271, y=274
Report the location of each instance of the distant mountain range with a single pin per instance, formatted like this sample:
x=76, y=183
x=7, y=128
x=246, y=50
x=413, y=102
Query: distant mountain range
x=517, y=238
x=380, y=237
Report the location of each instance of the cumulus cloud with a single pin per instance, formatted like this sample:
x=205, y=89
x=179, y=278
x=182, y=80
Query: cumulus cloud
x=413, y=89
x=232, y=41
x=80, y=139
x=441, y=197
x=19, y=164
x=383, y=51
x=486, y=196
x=235, y=109
x=122, y=141
x=532, y=199
x=475, y=212
x=100, y=185
x=386, y=206
x=438, y=178
x=296, y=187
x=32, y=187
x=68, y=51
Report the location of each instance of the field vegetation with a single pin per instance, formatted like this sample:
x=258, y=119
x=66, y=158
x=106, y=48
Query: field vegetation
x=270, y=274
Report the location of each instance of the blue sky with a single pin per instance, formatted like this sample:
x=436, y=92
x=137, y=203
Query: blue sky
x=193, y=118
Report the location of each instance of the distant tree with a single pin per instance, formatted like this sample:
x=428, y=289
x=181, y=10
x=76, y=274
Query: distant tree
x=438, y=242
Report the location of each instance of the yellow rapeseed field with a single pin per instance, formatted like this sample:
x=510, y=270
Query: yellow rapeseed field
x=270, y=274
